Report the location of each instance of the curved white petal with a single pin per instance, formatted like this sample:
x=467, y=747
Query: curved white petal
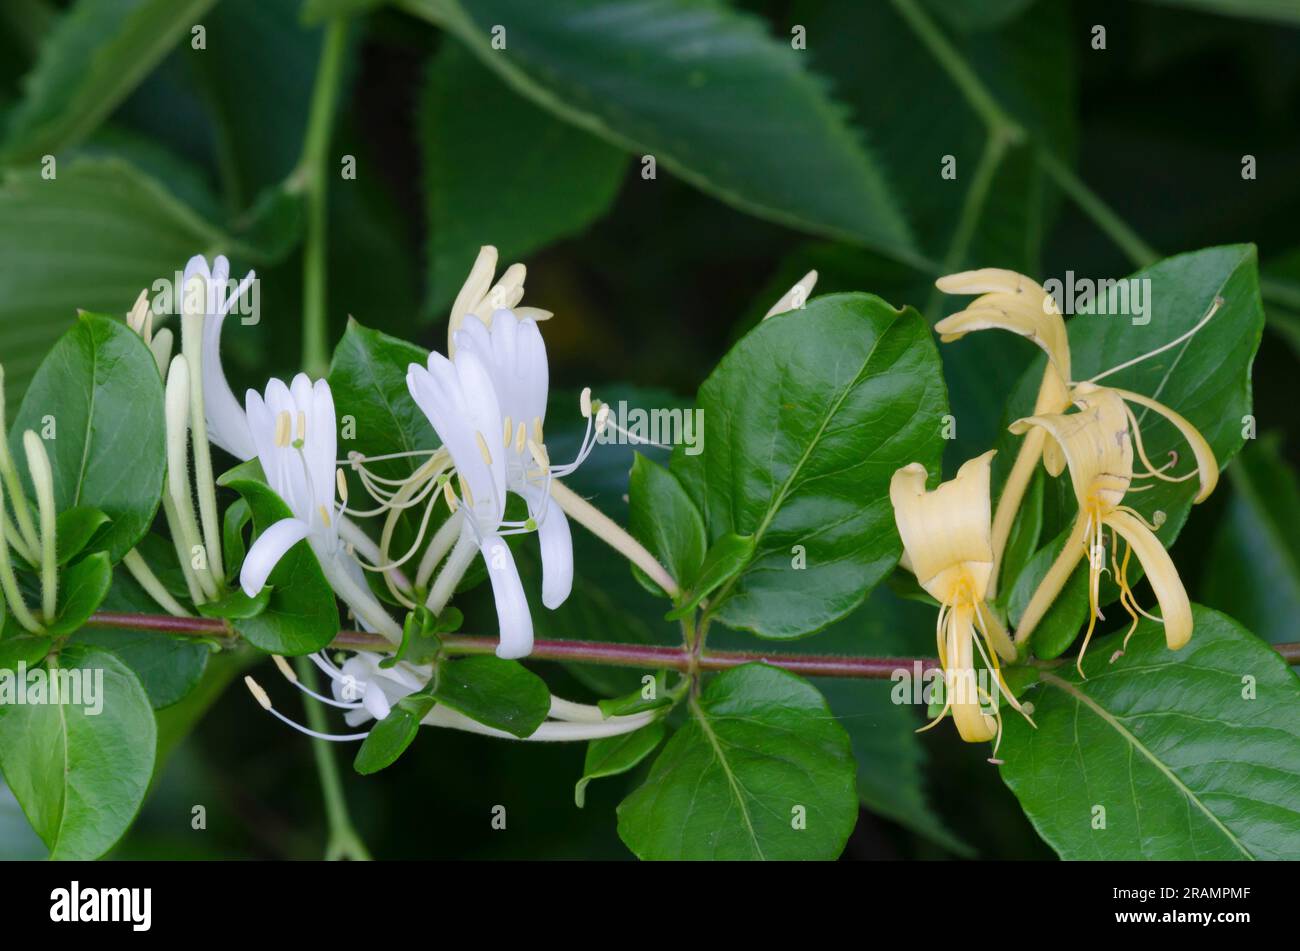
x=513, y=617
x=227, y=423
x=267, y=551
x=556, y=543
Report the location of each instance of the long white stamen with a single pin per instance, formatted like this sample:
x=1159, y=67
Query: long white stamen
x=1218, y=302
x=38, y=466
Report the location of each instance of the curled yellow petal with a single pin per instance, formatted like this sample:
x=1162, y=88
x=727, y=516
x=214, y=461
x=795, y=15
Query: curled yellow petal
x=946, y=533
x=1096, y=445
x=1009, y=301
x=960, y=682
x=1206, y=464
x=1175, y=609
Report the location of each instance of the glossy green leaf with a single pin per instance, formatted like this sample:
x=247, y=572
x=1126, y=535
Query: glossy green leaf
x=167, y=667
x=390, y=737
x=91, y=239
x=1193, y=754
x=98, y=51
x=81, y=589
x=803, y=461
x=75, y=528
x=97, y=401
x=236, y=518
x=479, y=191
x=761, y=771
x=302, y=616
x=1253, y=571
x=236, y=604
x=724, y=560
x=497, y=693
x=678, y=80
x=79, y=775
x=616, y=754
x=662, y=517
x=29, y=649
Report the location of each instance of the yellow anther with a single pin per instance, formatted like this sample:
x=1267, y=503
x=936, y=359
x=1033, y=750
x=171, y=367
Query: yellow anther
x=324, y=515
x=537, y=430
x=464, y=491
x=521, y=436
x=450, y=496
x=302, y=425
x=539, y=453
x=285, y=669
x=505, y=436
x=282, y=423
x=341, y=481
x=258, y=693
x=483, y=447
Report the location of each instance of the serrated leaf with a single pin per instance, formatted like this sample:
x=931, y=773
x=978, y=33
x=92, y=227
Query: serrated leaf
x=1193, y=754
x=80, y=778
x=679, y=80
x=760, y=757
x=616, y=754
x=853, y=391
x=563, y=180
x=98, y=51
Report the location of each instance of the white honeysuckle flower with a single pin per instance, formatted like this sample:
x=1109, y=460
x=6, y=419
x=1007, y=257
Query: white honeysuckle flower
x=293, y=430
x=227, y=424
x=488, y=406
x=368, y=692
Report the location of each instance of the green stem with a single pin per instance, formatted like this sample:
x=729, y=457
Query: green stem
x=969, y=84
x=995, y=148
x=311, y=177
x=344, y=842
x=1137, y=250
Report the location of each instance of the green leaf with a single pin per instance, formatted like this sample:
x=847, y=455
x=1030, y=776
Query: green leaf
x=81, y=776
x=853, y=391
x=98, y=392
x=676, y=80
x=726, y=558
x=167, y=667
x=1276, y=11
x=97, y=53
x=236, y=518
x=302, y=616
x=555, y=187
x=761, y=757
x=74, y=529
x=368, y=380
x=1193, y=754
x=92, y=239
x=237, y=605
x=616, y=754
x=393, y=734
x=420, y=641
x=662, y=517
x=1253, y=571
x=81, y=589
x=29, y=649
x=498, y=693
x=637, y=701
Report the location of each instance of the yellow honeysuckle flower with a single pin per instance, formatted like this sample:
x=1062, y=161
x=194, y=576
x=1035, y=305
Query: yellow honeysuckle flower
x=1011, y=301
x=947, y=544
x=1098, y=445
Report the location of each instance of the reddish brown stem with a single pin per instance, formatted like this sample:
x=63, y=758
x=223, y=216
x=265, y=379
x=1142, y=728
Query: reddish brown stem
x=651, y=657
